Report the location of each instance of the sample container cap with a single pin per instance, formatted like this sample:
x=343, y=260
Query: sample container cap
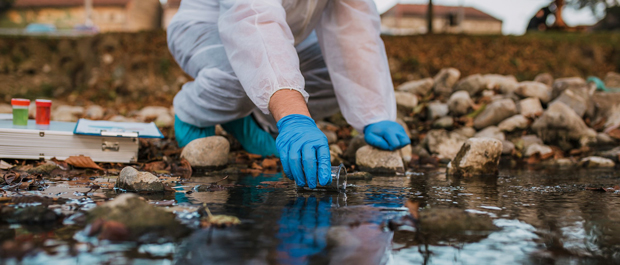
x=43, y=102
x=20, y=102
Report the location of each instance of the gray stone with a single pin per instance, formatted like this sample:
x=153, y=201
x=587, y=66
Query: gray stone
x=151, y=112
x=491, y=132
x=529, y=89
x=561, y=84
x=488, y=93
x=596, y=161
x=468, y=132
x=513, y=123
x=437, y=110
x=545, y=78
x=406, y=154
x=131, y=179
x=477, y=156
x=372, y=160
x=530, y=107
x=504, y=84
x=607, y=106
x=445, y=144
x=495, y=113
x=420, y=151
x=508, y=148
x=94, y=112
x=207, y=152
x=332, y=137
x=406, y=100
x=612, y=80
x=335, y=154
x=560, y=163
x=473, y=84
x=164, y=120
x=356, y=143
x=561, y=122
x=613, y=154
x=537, y=149
x=526, y=141
x=67, y=113
x=445, y=80
x=460, y=103
x=418, y=87
x=577, y=99
x=444, y=123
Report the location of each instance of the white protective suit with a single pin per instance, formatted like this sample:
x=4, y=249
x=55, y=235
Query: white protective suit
x=240, y=52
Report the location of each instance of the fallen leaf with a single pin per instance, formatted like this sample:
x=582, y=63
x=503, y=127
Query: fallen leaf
x=10, y=177
x=187, y=168
x=5, y=165
x=83, y=162
x=155, y=166
x=256, y=166
x=413, y=208
x=60, y=164
x=615, y=133
x=270, y=163
x=614, y=189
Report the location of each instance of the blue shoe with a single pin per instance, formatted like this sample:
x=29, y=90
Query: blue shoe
x=253, y=138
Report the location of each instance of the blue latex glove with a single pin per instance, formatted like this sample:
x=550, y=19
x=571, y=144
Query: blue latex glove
x=386, y=135
x=304, y=151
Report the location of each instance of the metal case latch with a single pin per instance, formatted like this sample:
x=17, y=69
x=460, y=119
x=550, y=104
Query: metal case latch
x=110, y=146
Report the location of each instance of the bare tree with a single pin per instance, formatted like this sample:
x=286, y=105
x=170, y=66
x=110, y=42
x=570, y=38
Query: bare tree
x=429, y=17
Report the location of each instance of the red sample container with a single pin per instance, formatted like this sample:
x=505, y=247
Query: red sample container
x=44, y=107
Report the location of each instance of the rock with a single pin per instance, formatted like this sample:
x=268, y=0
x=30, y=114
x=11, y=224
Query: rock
x=596, y=161
x=473, y=84
x=335, y=153
x=491, y=132
x=513, y=123
x=405, y=127
x=530, y=107
x=577, y=99
x=356, y=143
x=326, y=126
x=526, y=141
x=495, y=113
x=418, y=87
x=151, y=112
x=360, y=244
x=468, y=132
x=437, y=110
x=560, y=162
x=164, y=120
x=6, y=108
x=508, y=148
x=613, y=154
x=540, y=149
x=488, y=93
x=358, y=175
x=406, y=154
x=545, y=78
x=444, y=123
x=460, y=103
x=561, y=84
x=445, y=80
x=67, y=113
x=478, y=156
x=612, y=80
x=406, y=100
x=29, y=214
x=135, y=219
x=537, y=90
x=207, y=152
x=420, y=151
x=332, y=137
x=94, y=112
x=607, y=106
x=372, y=160
x=131, y=179
x=335, y=149
x=445, y=144
x=559, y=122
x=505, y=84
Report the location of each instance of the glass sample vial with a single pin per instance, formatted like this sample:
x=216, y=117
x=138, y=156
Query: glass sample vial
x=43, y=111
x=339, y=181
x=20, y=111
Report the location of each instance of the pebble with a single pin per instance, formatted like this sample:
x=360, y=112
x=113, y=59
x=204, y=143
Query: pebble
x=418, y=87
x=506, y=84
x=130, y=179
x=508, y=147
x=530, y=107
x=477, y=156
x=436, y=110
x=466, y=131
x=545, y=78
x=530, y=89
x=444, y=123
x=94, y=112
x=493, y=132
x=406, y=100
x=536, y=148
x=561, y=84
x=445, y=80
x=560, y=121
x=596, y=162
x=495, y=113
x=152, y=112
x=374, y=160
x=445, y=144
x=578, y=99
x=164, y=120
x=459, y=103
x=472, y=84
x=513, y=123
x=207, y=152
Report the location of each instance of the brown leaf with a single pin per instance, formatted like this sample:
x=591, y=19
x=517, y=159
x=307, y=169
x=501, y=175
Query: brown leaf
x=83, y=162
x=414, y=208
x=10, y=177
x=270, y=163
x=155, y=166
x=5, y=165
x=615, y=133
x=62, y=165
x=187, y=168
x=256, y=166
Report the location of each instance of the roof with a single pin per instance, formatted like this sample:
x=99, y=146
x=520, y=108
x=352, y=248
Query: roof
x=438, y=10
x=66, y=3
x=173, y=3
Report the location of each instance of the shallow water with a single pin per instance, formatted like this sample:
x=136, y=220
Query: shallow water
x=545, y=217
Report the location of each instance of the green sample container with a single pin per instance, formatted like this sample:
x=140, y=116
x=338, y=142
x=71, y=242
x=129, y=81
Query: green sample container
x=20, y=111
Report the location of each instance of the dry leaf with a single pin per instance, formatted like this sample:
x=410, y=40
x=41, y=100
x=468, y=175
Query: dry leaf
x=414, y=208
x=256, y=166
x=5, y=165
x=270, y=163
x=10, y=177
x=155, y=166
x=83, y=162
x=615, y=133
x=60, y=164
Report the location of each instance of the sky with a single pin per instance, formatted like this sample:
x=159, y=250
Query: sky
x=515, y=14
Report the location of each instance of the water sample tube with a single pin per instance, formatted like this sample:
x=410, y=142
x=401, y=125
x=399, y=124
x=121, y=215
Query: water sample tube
x=20, y=111
x=43, y=111
x=339, y=181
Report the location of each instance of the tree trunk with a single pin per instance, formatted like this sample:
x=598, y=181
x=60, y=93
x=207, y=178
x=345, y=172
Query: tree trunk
x=429, y=17
x=559, y=21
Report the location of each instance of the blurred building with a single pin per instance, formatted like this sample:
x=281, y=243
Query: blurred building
x=106, y=15
x=170, y=9
x=405, y=19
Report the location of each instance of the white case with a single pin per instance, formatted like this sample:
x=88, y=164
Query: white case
x=58, y=140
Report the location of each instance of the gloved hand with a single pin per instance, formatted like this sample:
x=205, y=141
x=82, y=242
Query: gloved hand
x=304, y=151
x=386, y=135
